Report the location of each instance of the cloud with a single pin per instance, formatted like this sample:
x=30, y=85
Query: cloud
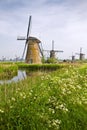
x=63, y=21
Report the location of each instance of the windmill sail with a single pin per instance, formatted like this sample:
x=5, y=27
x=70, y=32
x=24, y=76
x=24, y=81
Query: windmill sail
x=28, y=33
x=41, y=50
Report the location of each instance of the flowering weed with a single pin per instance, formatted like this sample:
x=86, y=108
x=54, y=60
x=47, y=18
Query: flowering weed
x=53, y=101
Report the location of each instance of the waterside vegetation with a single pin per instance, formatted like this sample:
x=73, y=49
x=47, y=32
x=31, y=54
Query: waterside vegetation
x=8, y=70
x=33, y=67
x=52, y=101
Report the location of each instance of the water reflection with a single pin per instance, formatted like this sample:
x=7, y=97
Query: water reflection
x=21, y=75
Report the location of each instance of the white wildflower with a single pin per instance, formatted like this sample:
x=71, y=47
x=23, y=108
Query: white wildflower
x=51, y=110
x=13, y=99
x=1, y=111
x=78, y=86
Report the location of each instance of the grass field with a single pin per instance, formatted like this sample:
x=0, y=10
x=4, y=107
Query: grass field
x=52, y=101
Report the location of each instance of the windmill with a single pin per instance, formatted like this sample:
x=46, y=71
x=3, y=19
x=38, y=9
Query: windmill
x=53, y=52
x=73, y=57
x=81, y=55
x=32, y=47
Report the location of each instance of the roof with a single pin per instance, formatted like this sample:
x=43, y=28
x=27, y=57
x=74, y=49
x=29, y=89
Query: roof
x=34, y=39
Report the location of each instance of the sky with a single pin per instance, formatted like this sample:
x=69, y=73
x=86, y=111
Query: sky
x=64, y=21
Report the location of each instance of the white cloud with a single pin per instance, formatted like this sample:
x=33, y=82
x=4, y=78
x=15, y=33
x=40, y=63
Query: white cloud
x=63, y=22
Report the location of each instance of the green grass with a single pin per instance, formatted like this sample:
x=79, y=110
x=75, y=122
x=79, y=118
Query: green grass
x=8, y=70
x=34, y=67
x=53, y=101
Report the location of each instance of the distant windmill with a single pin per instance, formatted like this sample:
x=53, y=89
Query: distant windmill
x=81, y=55
x=73, y=57
x=53, y=52
x=3, y=58
x=34, y=51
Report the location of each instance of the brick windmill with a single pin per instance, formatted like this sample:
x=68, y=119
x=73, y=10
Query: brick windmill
x=53, y=52
x=32, y=48
x=81, y=55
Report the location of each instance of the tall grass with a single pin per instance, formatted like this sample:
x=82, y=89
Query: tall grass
x=55, y=101
x=34, y=67
x=8, y=70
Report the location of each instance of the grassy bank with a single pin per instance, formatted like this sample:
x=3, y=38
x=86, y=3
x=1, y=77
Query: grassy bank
x=34, y=67
x=8, y=70
x=55, y=101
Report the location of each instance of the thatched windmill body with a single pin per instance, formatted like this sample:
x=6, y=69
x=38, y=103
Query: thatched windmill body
x=32, y=48
x=81, y=55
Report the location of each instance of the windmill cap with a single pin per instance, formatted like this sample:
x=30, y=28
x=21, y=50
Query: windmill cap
x=34, y=39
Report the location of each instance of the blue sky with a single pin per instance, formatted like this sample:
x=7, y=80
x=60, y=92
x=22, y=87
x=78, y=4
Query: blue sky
x=64, y=21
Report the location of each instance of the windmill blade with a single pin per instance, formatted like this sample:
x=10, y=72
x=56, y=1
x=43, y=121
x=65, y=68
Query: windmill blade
x=52, y=44
x=28, y=33
x=80, y=49
x=77, y=53
x=24, y=50
x=58, y=51
x=29, y=24
x=21, y=38
x=46, y=50
x=40, y=50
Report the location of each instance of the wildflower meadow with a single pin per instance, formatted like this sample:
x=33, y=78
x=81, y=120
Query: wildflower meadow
x=52, y=101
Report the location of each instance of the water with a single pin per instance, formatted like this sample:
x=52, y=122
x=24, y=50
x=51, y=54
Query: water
x=21, y=75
